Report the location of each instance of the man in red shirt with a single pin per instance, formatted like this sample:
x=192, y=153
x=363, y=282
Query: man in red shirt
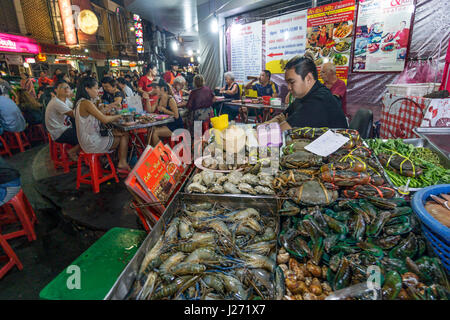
x=145, y=82
x=44, y=80
x=171, y=74
x=402, y=35
x=336, y=86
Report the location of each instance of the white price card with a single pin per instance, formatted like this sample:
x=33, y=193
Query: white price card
x=327, y=143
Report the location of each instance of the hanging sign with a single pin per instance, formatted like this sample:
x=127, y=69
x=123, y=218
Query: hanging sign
x=246, y=50
x=13, y=43
x=382, y=35
x=285, y=38
x=330, y=34
x=65, y=8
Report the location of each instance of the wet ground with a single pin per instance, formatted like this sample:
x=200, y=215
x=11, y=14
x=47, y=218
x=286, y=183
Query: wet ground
x=67, y=225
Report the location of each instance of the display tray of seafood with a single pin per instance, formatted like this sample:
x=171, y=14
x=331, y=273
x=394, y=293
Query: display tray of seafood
x=415, y=160
x=249, y=182
x=207, y=249
x=332, y=252
x=350, y=172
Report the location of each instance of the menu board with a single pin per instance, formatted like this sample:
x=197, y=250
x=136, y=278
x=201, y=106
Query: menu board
x=246, y=50
x=285, y=38
x=329, y=35
x=382, y=35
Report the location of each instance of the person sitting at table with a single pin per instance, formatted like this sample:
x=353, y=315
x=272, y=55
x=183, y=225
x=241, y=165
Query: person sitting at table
x=11, y=118
x=232, y=91
x=165, y=104
x=87, y=120
x=265, y=87
x=177, y=91
x=115, y=96
x=145, y=82
x=336, y=85
x=199, y=102
x=123, y=86
x=314, y=106
x=27, y=84
x=56, y=113
x=30, y=107
x=43, y=80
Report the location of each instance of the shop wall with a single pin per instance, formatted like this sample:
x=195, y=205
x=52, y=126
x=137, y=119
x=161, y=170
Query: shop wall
x=430, y=37
x=8, y=18
x=36, y=16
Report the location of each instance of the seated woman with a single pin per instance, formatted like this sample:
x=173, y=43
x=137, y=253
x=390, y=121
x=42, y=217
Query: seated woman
x=166, y=105
x=88, y=118
x=199, y=102
x=27, y=84
x=31, y=108
x=231, y=90
x=177, y=91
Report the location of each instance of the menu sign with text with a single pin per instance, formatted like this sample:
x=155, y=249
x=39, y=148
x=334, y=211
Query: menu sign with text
x=285, y=38
x=246, y=50
x=330, y=34
x=382, y=35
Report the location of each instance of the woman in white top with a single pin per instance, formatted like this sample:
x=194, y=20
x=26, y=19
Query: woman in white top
x=88, y=119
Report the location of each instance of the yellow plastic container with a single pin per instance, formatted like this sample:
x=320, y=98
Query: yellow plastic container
x=221, y=122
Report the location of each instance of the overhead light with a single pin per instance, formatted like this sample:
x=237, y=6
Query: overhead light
x=190, y=53
x=192, y=59
x=198, y=59
x=174, y=45
x=198, y=51
x=214, y=24
x=26, y=65
x=131, y=28
x=86, y=50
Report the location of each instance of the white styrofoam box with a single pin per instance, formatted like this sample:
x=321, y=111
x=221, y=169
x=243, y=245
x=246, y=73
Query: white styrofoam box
x=413, y=89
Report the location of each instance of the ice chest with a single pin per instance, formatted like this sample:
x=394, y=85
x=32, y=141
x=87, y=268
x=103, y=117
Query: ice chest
x=270, y=135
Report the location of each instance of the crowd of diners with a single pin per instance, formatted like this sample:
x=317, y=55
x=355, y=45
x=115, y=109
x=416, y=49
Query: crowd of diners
x=77, y=118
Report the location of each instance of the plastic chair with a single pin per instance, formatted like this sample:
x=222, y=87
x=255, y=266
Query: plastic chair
x=17, y=140
x=11, y=257
x=19, y=209
x=5, y=149
x=58, y=154
x=363, y=122
x=36, y=132
x=96, y=174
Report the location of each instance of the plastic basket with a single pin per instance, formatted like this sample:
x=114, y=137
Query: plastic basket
x=436, y=233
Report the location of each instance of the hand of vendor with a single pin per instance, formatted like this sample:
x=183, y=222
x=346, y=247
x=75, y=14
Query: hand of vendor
x=145, y=95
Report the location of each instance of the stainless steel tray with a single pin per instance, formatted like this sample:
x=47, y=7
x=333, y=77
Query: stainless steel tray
x=230, y=196
x=125, y=280
x=429, y=133
x=420, y=142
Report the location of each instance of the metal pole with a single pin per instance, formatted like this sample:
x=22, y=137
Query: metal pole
x=314, y=3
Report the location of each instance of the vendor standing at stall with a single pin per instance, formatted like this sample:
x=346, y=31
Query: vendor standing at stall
x=336, y=85
x=171, y=74
x=314, y=106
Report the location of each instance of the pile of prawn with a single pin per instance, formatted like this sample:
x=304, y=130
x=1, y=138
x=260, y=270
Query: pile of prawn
x=210, y=252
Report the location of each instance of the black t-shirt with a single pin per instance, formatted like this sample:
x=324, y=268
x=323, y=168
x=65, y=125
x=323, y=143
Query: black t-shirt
x=108, y=97
x=235, y=96
x=318, y=108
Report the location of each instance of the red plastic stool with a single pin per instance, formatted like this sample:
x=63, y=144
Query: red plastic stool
x=58, y=154
x=17, y=140
x=36, y=132
x=19, y=209
x=96, y=174
x=5, y=149
x=11, y=257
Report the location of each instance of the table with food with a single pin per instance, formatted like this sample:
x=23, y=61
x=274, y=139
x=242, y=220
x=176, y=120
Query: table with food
x=312, y=227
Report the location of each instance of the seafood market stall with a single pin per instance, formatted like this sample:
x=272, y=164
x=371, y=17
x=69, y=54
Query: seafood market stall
x=325, y=222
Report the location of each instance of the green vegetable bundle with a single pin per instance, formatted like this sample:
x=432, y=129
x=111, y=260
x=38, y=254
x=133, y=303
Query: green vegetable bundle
x=433, y=172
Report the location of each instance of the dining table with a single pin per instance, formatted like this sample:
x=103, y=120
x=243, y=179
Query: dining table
x=267, y=109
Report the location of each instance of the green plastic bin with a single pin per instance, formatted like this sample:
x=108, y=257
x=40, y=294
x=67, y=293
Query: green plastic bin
x=99, y=267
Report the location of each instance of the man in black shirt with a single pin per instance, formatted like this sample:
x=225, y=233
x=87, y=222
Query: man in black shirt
x=113, y=95
x=314, y=106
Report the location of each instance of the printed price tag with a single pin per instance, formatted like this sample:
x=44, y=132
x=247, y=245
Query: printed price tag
x=327, y=143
